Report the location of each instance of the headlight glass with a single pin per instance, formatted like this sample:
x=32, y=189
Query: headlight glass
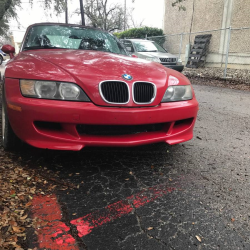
x=53, y=90
x=179, y=62
x=68, y=90
x=28, y=88
x=178, y=93
x=45, y=90
x=153, y=59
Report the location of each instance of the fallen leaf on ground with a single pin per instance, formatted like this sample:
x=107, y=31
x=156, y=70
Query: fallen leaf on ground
x=18, y=229
x=198, y=238
x=19, y=183
x=24, y=217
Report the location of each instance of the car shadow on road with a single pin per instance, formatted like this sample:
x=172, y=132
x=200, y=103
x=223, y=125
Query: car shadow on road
x=92, y=157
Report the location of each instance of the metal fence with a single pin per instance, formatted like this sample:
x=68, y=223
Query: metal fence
x=229, y=46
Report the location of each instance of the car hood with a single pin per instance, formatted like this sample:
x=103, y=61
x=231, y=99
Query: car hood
x=157, y=54
x=87, y=69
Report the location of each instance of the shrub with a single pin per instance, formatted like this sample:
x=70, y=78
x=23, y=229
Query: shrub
x=139, y=33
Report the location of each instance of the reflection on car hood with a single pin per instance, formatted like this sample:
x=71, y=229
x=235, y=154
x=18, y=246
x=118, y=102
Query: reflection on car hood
x=86, y=68
x=157, y=54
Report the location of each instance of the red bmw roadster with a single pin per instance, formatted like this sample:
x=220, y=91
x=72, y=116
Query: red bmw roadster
x=73, y=86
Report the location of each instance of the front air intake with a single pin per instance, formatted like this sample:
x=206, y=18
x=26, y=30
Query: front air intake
x=118, y=130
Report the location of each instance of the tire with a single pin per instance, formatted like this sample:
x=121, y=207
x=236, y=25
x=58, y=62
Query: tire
x=9, y=140
x=1, y=60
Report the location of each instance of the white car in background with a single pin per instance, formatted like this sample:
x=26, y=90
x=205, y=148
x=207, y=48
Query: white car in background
x=3, y=56
x=152, y=51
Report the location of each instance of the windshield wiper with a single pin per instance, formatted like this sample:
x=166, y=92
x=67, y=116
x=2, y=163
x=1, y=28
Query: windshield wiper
x=41, y=47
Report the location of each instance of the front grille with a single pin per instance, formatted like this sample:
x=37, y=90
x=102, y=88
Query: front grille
x=114, y=130
x=114, y=92
x=168, y=60
x=143, y=92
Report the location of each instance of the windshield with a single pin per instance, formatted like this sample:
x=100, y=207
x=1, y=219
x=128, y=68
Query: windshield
x=70, y=37
x=146, y=46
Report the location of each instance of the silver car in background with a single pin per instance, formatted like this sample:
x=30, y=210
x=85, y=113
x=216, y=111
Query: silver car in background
x=152, y=51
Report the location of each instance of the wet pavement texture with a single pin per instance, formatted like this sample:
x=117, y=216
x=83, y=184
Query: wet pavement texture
x=207, y=200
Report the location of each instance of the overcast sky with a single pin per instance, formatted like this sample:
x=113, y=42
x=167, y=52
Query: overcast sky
x=148, y=11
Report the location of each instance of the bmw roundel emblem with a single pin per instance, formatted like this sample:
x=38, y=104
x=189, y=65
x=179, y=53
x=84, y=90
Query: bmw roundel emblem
x=127, y=77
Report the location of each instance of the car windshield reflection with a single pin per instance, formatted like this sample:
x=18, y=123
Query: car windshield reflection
x=147, y=46
x=71, y=37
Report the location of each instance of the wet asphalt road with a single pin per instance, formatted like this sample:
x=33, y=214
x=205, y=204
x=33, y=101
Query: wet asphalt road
x=208, y=205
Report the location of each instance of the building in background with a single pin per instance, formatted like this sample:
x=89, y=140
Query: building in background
x=16, y=41
x=216, y=15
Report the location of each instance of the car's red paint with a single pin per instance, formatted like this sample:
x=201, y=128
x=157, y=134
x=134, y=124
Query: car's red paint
x=88, y=69
x=8, y=49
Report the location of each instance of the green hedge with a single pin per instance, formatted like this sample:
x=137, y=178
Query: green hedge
x=139, y=33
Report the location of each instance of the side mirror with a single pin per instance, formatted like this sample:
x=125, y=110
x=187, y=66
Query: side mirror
x=8, y=49
x=135, y=56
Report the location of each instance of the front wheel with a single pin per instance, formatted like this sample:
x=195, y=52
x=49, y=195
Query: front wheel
x=9, y=139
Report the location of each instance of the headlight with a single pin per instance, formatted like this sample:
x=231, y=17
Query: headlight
x=178, y=93
x=53, y=90
x=179, y=62
x=153, y=59
x=69, y=91
x=45, y=90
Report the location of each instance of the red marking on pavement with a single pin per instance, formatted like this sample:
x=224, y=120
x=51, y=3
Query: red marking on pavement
x=52, y=233
x=116, y=210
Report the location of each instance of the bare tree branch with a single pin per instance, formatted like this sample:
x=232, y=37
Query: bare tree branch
x=102, y=14
x=8, y=10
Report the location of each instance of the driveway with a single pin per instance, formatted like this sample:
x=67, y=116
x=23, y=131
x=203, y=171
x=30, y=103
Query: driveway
x=189, y=196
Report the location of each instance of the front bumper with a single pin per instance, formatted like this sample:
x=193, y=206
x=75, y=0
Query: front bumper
x=70, y=114
x=175, y=67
